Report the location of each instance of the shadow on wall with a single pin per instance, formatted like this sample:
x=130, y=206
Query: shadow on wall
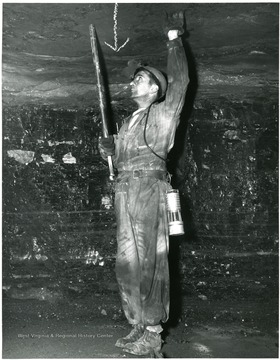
x=267, y=157
x=177, y=156
x=176, y=161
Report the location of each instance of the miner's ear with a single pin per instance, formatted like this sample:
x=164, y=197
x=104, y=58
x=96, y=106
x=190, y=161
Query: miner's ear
x=154, y=88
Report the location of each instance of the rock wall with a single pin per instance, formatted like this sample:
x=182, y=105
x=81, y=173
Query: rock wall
x=229, y=172
x=58, y=200
x=56, y=193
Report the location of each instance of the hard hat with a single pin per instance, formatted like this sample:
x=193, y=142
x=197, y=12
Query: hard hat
x=158, y=78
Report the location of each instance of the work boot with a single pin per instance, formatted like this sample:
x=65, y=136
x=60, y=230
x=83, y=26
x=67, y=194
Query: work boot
x=135, y=334
x=149, y=343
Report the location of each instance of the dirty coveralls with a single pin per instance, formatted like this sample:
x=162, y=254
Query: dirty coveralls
x=140, y=203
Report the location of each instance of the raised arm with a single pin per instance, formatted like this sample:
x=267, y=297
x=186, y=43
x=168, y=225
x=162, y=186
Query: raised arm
x=177, y=73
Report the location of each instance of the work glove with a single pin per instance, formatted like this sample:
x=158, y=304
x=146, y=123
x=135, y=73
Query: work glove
x=175, y=21
x=106, y=146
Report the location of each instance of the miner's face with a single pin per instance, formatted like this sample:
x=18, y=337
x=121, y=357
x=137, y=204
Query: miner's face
x=141, y=85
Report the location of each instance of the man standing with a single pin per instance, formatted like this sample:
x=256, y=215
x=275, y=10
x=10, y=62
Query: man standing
x=139, y=154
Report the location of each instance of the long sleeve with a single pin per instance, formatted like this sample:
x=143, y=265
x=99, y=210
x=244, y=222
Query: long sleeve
x=158, y=124
x=166, y=115
x=178, y=77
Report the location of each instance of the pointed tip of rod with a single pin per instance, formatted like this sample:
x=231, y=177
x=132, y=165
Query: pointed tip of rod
x=92, y=31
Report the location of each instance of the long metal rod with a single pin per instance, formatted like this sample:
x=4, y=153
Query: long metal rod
x=101, y=92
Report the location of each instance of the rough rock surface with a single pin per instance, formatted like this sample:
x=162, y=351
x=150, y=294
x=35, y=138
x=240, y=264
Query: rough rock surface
x=59, y=233
x=47, y=57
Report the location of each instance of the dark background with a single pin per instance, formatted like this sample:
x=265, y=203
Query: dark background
x=225, y=159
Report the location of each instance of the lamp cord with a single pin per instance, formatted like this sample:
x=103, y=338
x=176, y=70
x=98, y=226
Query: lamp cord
x=145, y=139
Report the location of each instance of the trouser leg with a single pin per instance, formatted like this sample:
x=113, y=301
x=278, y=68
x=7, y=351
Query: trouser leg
x=142, y=265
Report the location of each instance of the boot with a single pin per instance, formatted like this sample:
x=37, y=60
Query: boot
x=149, y=342
x=135, y=334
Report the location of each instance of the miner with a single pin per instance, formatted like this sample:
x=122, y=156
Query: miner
x=139, y=152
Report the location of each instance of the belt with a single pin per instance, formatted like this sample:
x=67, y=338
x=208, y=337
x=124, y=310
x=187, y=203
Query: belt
x=140, y=173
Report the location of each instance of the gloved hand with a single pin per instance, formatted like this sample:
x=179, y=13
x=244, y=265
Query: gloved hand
x=175, y=21
x=106, y=146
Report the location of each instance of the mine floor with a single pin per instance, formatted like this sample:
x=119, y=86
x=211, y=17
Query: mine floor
x=89, y=327
x=224, y=304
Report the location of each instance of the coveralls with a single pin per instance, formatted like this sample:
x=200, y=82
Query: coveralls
x=140, y=199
